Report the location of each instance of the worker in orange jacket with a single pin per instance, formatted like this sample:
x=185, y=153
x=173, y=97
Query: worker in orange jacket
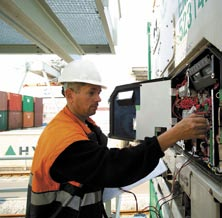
x=72, y=163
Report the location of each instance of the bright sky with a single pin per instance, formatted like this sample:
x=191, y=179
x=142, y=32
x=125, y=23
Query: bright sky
x=130, y=52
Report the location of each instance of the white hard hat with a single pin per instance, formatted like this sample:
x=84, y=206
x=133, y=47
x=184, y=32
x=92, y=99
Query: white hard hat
x=81, y=70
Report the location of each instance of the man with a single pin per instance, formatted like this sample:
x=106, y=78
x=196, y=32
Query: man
x=72, y=163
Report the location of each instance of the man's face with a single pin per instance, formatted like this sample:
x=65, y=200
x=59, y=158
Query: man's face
x=85, y=102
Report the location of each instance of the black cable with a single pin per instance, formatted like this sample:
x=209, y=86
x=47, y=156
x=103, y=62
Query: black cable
x=167, y=202
x=172, y=188
x=174, y=180
x=133, y=195
x=154, y=210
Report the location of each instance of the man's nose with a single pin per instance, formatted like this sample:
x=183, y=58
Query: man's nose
x=98, y=98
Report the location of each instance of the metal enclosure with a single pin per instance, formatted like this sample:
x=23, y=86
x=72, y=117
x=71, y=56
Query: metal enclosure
x=155, y=101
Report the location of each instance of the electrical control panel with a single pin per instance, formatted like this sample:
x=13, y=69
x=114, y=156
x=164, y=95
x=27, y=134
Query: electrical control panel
x=197, y=89
x=151, y=107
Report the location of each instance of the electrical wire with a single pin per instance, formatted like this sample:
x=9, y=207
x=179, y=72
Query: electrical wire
x=172, y=188
x=168, y=201
x=134, y=197
x=154, y=210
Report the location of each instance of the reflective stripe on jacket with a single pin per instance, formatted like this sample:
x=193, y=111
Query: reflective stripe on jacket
x=46, y=197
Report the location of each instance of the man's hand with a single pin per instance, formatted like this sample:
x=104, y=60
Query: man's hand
x=193, y=126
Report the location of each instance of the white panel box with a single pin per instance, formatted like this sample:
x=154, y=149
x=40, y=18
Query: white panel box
x=155, y=108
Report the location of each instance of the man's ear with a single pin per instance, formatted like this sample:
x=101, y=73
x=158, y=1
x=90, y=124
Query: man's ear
x=68, y=93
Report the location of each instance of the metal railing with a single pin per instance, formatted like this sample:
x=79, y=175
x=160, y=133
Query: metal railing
x=14, y=189
x=17, y=158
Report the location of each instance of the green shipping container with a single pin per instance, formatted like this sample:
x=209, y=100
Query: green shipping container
x=3, y=120
x=27, y=103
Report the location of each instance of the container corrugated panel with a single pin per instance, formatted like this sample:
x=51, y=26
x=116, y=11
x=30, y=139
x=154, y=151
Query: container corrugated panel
x=28, y=119
x=38, y=112
x=3, y=101
x=14, y=120
x=14, y=102
x=3, y=120
x=27, y=103
x=38, y=105
x=38, y=119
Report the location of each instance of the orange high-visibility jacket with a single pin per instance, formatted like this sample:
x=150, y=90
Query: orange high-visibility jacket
x=61, y=132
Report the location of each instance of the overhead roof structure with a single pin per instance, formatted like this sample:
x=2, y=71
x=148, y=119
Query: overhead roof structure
x=63, y=27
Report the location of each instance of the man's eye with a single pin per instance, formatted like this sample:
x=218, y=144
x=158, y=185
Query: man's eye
x=91, y=93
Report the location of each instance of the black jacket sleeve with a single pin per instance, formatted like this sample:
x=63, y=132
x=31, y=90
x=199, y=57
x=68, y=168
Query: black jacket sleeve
x=89, y=163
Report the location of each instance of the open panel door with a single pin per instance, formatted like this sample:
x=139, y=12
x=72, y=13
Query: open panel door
x=140, y=109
